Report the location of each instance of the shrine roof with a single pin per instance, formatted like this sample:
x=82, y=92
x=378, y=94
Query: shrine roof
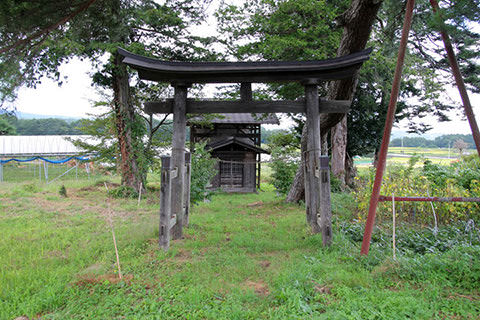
x=235, y=140
x=234, y=72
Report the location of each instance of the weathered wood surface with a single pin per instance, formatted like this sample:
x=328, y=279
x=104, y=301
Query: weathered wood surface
x=165, y=204
x=178, y=157
x=246, y=106
x=246, y=91
x=312, y=157
x=186, y=190
x=325, y=201
x=237, y=72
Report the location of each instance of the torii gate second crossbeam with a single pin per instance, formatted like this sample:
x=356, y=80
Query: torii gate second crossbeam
x=181, y=75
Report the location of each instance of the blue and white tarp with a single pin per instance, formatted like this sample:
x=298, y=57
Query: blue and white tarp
x=45, y=159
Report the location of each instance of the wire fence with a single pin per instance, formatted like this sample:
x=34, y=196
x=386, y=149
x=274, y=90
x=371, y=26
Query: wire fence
x=48, y=170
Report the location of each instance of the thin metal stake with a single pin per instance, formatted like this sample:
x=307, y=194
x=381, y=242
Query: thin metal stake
x=435, y=229
x=139, y=194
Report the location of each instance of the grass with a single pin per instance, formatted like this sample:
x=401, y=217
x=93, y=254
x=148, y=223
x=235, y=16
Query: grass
x=244, y=256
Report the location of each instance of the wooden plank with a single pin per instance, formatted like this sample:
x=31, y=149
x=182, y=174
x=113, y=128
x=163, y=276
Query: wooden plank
x=188, y=179
x=165, y=204
x=325, y=201
x=246, y=91
x=172, y=221
x=239, y=77
x=211, y=106
x=178, y=157
x=312, y=157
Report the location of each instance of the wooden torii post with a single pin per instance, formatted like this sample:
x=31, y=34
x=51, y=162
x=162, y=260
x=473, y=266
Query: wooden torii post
x=182, y=74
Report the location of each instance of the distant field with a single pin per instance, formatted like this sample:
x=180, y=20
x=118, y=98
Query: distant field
x=399, y=155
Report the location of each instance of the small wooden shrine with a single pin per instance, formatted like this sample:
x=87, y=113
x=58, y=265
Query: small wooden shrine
x=234, y=139
x=181, y=75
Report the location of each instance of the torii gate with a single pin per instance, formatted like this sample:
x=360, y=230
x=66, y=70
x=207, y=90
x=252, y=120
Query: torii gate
x=310, y=74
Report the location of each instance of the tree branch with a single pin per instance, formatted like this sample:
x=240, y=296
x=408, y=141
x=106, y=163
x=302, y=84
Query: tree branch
x=46, y=31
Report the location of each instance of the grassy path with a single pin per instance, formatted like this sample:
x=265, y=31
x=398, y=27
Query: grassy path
x=246, y=256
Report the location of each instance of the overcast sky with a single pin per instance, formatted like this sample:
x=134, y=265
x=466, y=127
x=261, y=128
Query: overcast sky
x=75, y=97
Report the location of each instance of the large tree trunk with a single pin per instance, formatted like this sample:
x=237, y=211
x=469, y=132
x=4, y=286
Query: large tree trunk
x=357, y=21
x=339, y=151
x=124, y=119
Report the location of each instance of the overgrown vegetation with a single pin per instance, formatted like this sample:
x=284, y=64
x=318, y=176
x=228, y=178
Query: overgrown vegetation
x=423, y=178
x=285, y=160
x=203, y=170
x=244, y=256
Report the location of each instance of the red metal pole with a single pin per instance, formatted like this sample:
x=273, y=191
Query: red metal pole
x=382, y=158
x=459, y=80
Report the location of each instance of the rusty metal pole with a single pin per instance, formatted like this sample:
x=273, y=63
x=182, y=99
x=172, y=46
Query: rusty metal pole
x=458, y=79
x=382, y=158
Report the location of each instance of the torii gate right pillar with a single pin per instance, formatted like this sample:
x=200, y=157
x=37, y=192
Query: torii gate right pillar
x=317, y=175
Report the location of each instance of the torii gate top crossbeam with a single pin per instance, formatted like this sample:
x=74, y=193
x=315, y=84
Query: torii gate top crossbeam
x=254, y=72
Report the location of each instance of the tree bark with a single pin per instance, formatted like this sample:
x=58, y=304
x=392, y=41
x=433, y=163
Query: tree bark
x=124, y=119
x=339, y=151
x=350, y=171
x=357, y=22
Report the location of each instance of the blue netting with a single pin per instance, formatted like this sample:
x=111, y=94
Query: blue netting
x=45, y=159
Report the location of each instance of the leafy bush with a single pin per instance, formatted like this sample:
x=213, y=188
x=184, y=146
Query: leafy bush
x=63, y=191
x=30, y=187
x=460, y=179
x=412, y=239
x=458, y=267
x=123, y=192
x=203, y=170
x=285, y=160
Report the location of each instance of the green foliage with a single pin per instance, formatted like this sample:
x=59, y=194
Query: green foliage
x=104, y=143
x=123, y=192
x=412, y=239
x=459, y=179
x=203, y=170
x=302, y=30
x=455, y=268
x=63, y=191
x=5, y=127
x=284, y=169
x=335, y=183
x=284, y=161
x=281, y=30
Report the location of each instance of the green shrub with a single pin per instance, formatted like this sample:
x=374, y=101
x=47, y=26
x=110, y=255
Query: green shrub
x=285, y=160
x=412, y=239
x=63, y=191
x=457, y=267
x=283, y=171
x=203, y=171
x=460, y=179
x=123, y=192
x=30, y=187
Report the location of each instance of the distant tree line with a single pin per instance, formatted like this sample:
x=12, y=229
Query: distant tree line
x=443, y=141
x=39, y=127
